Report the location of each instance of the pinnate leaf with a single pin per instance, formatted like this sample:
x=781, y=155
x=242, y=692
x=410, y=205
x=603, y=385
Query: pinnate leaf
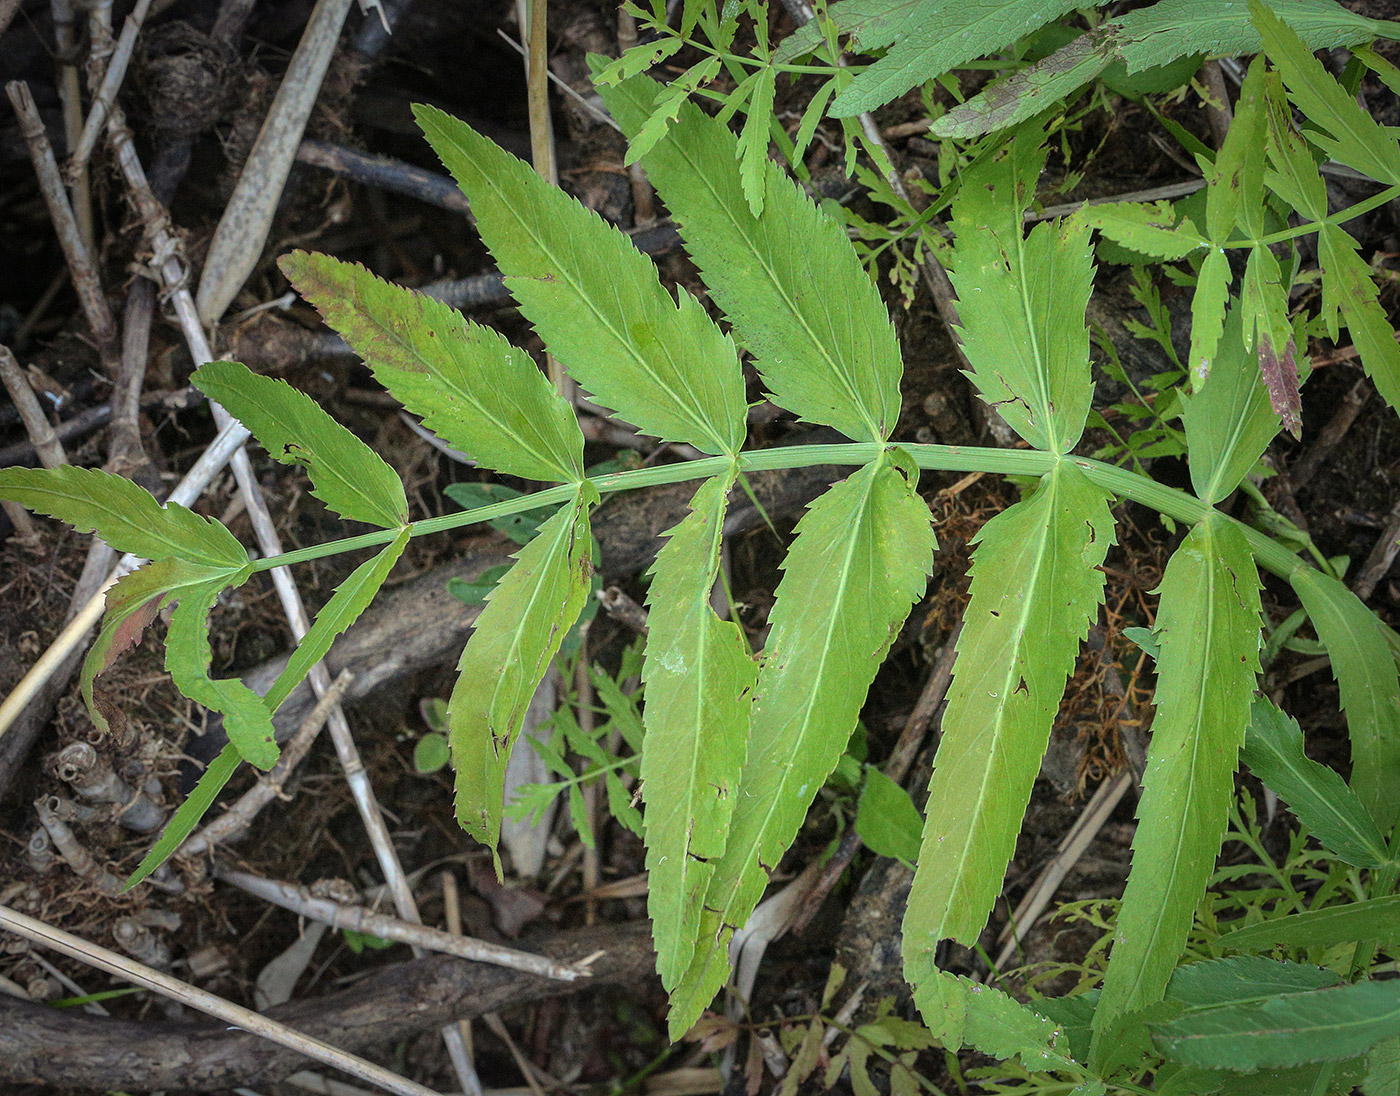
x=513, y=641
x=346, y=474
x=1347, y=133
x=246, y=718
x=1375, y=919
x=127, y=517
x=188, y=813
x=132, y=604
x=1021, y=301
x=1036, y=588
x=1229, y=422
x=698, y=675
x=753, y=140
x=472, y=388
x=1320, y=798
x=596, y=300
x=867, y=547
x=934, y=38
x=788, y=280
x=1367, y=677
x=1208, y=628
x=350, y=599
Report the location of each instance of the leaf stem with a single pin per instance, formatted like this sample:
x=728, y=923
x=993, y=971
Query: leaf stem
x=1175, y=504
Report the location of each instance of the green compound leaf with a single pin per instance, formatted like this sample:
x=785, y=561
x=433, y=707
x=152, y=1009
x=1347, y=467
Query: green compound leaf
x=1317, y=795
x=132, y=604
x=1151, y=228
x=1021, y=301
x=789, y=280
x=596, y=300
x=1375, y=919
x=514, y=639
x=1229, y=422
x=698, y=674
x=188, y=813
x=935, y=37
x=350, y=599
x=867, y=546
x=247, y=721
x=472, y=388
x=961, y=1012
x=1036, y=588
x=127, y=517
x=1208, y=628
x=1279, y=1031
x=1347, y=285
x=1366, y=674
x=346, y=474
x=1337, y=124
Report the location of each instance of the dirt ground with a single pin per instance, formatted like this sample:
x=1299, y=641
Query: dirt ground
x=195, y=98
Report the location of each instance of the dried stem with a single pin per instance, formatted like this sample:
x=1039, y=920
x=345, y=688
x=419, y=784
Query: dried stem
x=70, y=93
x=96, y=956
x=75, y=251
x=36, y=423
x=299, y=900
x=106, y=93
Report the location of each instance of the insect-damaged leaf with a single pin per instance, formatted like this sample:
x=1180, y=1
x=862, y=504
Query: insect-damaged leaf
x=514, y=639
x=698, y=674
x=867, y=546
x=346, y=474
x=1036, y=587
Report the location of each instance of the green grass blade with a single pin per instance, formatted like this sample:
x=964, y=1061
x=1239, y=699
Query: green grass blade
x=789, y=281
x=1317, y=795
x=127, y=517
x=1208, y=628
x=473, y=389
x=188, y=813
x=1229, y=422
x=1036, y=588
x=698, y=674
x=1337, y=124
x=936, y=38
x=346, y=474
x=132, y=604
x=187, y=655
x=1347, y=286
x=861, y=557
x=514, y=639
x=1021, y=301
x=596, y=300
x=350, y=599
x=1293, y=1029
x=1375, y=919
x=1366, y=674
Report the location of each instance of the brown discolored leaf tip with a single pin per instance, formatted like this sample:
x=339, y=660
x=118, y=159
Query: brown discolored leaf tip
x=1281, y=379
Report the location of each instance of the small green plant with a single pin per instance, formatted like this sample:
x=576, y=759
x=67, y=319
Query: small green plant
x=737, y=747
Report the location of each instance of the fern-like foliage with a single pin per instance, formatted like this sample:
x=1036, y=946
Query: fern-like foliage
x=737, y=746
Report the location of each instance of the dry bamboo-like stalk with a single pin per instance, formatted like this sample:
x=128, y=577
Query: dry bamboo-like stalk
x=242, y=231
x=299, y=900
x=80, y=265
x=240, y=816
x=36, y=424
x=96, y=956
